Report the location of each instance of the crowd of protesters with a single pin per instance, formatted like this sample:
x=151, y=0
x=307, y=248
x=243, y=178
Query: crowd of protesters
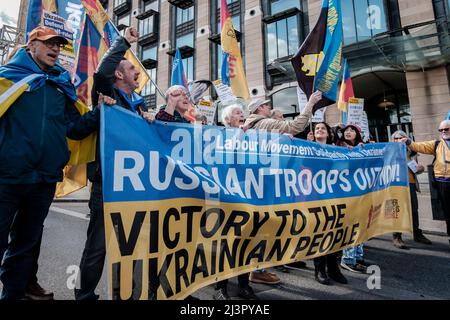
x=39, y=120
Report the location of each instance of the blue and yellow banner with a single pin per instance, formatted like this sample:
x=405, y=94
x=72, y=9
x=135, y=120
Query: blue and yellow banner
x=187, y=206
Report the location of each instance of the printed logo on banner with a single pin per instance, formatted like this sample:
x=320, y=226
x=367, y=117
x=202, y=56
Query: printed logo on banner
x=391, y=209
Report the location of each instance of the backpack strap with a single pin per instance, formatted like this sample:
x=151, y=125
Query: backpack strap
x=436, y=144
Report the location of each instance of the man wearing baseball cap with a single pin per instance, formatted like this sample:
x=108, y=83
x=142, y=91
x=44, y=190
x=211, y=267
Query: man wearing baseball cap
x=44, y=45
x=37, y=113
x=260, y=116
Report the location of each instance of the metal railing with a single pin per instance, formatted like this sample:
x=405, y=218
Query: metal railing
x=10, y=37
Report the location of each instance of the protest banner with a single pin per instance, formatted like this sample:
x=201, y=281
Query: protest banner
x=208, y=109
x=319, y=115
x=365, y=127
x=302, y=99
x=187, y=206
x=67, y=54
x=355, y=111
x=223, y=91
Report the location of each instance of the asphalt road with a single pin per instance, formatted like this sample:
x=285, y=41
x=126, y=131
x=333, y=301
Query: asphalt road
x=422, y=272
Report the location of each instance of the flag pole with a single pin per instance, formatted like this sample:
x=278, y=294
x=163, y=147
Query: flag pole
x=313, y=89
x=140, y=63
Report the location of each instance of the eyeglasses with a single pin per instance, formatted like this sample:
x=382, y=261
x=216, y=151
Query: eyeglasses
x=398, y=138
x=50, y=44
x=443, y=130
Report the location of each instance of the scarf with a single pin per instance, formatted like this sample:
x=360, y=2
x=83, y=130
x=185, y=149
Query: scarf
x=134, y=102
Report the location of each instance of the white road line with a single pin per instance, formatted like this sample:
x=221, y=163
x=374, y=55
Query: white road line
x=69, y=213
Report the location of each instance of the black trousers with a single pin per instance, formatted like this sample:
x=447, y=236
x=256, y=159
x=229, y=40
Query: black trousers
x=36, y=252
x=23, y=209
x=444, y=196
x=242, y=282
x=329, y=261
x=94, y=253
x=414, y=210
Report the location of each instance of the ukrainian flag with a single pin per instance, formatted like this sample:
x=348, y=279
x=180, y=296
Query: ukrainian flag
x=19, y=76
x=232, y=66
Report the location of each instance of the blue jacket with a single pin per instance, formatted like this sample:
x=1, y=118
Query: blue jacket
x=33, y=145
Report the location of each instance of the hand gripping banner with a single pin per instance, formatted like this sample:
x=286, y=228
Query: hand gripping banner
x=189, y=205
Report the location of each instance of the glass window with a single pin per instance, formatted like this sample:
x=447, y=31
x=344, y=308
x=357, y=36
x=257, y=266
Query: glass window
x=282, y=38
x=292, y=35
x=236, y=23
x=146, y=26
x=282, y=5
x=377, y=21
x=148, y=52
x=272, y=53
x=147, y=5
x=348, y=22
x=124, y=19
x=188, y=68
x=286, y=100
x=185, y=15
x=363, y=19
x=228, y=2
x=118, y=2
x=186, y=40
x=149, y=86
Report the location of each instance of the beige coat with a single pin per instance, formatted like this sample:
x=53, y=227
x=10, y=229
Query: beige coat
x=255, y=121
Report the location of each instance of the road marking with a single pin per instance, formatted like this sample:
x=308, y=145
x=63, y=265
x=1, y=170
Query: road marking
x=69, y=213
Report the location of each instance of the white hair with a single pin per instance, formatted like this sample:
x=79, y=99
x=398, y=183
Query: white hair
x=445, y=123
x=227, y=111
x=399, y=133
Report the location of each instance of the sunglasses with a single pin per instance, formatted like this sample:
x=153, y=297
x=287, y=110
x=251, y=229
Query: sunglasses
x=443, y=130
x=50, y=44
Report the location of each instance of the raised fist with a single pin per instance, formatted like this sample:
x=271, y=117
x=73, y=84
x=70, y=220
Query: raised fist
x=131, y=34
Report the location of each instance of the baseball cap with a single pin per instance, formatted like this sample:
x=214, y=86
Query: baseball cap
x=45, y=33
x=254, y=104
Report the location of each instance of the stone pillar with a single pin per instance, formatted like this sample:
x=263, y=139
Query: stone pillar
x=429, y=102
x=164, y=60
x=202, y=43
x=254, y=48
x=314, y=7
x=415, y=11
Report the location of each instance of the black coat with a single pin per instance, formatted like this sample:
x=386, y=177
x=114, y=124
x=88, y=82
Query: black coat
x=104, y=79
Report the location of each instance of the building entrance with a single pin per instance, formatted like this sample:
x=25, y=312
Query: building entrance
x=386, y=102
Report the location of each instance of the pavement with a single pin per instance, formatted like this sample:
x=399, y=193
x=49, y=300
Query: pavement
x=422, y=272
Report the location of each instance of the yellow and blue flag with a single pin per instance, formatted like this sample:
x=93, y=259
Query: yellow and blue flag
x=232, y=71
x=21, y=75
x=317, y=63
x=327, y=77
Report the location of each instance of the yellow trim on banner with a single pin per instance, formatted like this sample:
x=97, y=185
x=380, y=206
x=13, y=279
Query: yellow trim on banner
x=188, y=242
